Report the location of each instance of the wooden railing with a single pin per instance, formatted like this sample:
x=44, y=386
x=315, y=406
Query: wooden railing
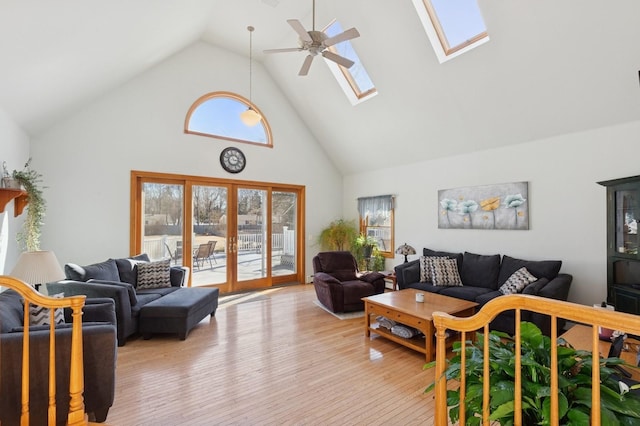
x=76, y=415
x=555, y=309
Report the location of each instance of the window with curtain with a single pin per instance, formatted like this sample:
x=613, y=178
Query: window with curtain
x=376, y=221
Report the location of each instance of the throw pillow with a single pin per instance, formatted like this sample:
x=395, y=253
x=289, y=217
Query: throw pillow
x=457, y=256
x=444, y=272
x=480, y=270
x=154, y=274
x=127, y=268
x=39, y=315
x=517, y=281
x=106, y=270
x=540, y=268
x=425, y=268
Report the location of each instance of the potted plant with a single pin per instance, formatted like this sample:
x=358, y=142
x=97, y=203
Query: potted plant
x=30, y=180
x=365, y=250
x=8, y=181
x=338, y=236
x=619, y=406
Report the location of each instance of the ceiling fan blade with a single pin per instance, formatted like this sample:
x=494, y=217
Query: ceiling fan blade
x=286, y=49
x=306, y=65
x=340, y=60
x=297, y=27
x=343, y=36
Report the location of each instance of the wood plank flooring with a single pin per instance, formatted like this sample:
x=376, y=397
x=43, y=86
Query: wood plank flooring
x=279, y=360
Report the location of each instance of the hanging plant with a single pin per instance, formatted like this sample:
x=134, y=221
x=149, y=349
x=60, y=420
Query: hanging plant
x=29, y=236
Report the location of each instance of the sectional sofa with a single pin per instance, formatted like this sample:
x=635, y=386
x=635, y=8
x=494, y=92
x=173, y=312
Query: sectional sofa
x=149, y=296
x=481, y=278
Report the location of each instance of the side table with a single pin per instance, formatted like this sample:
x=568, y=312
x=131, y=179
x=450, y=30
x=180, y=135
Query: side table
x=390, y=277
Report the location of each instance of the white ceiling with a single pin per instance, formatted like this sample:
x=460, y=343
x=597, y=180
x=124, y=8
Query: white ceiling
x=551, y=67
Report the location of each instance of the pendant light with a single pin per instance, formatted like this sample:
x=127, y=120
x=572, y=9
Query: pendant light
x=250, y=117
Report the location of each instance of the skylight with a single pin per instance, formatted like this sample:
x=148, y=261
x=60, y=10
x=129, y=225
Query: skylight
x=358, y=83
x=453, y=27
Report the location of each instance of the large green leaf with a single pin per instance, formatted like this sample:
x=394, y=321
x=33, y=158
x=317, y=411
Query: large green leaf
x=578, y=417
x=502, y=392
x=563, y=407
x=503, y=410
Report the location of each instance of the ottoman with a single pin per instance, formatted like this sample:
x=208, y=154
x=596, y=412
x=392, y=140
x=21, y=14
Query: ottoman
x=177, y=312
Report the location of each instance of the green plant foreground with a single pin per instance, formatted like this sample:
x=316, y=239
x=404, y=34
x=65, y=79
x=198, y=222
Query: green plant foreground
x=618, y=405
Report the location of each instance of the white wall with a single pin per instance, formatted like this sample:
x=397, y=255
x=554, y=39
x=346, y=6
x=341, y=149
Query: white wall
x=14, y=149
x=567, y=207
x=86, y=160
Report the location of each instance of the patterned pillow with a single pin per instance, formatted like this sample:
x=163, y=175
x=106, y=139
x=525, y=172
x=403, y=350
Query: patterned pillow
x=425, y=269
x=39, y=315
x=517, y=281
x=154, y=274
x=444, y=272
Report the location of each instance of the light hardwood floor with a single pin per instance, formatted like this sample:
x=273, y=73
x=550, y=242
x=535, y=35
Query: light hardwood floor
x=281, y=360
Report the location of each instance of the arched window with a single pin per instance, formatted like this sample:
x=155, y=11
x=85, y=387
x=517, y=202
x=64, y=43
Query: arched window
x=217, y=115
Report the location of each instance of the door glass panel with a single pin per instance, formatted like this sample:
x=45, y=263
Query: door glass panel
x=626, y=222
x=284, y=206
x=163, y=220
x=209, y=239
x=251, y=234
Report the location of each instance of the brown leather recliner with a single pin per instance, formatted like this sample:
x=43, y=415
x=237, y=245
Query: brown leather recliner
x=338, y=284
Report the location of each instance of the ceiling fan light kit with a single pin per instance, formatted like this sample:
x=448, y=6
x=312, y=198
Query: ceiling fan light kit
x=317, y=43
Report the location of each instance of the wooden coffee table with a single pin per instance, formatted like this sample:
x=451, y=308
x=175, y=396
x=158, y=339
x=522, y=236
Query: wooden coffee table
x=401, y=307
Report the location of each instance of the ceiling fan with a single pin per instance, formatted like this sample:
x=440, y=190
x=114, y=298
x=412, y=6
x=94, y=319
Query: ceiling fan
x=317, y=42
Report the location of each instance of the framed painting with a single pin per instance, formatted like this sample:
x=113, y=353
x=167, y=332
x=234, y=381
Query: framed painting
x=500, y=206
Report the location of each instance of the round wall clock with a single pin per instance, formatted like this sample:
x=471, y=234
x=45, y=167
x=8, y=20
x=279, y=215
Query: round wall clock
x=232, y=160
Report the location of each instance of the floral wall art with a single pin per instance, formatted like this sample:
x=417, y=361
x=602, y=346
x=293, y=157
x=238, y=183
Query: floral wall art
x=501, y=206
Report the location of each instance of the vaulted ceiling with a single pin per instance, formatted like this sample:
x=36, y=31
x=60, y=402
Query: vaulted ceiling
x=551, y=67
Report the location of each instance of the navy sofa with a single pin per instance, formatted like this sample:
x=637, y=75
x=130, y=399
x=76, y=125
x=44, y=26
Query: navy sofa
x=483, y=275
x=118, y=279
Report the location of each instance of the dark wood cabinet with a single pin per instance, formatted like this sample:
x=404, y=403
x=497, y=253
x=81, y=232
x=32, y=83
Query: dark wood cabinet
x=623, y=261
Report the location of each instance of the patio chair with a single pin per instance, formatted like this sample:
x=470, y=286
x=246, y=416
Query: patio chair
x=201, y=254
x=213, y=250
x=174, y=255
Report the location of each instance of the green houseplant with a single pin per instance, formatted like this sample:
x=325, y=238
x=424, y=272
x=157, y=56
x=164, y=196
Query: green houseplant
x=29, y=236
x=618, y=405
x=339, y=235
x=365, y=250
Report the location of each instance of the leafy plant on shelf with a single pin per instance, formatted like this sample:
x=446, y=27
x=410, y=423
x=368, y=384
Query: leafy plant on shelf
x=29, y=236
x=618, y=405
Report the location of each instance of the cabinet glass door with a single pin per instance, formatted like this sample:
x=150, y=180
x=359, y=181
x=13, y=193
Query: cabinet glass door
x=626, y=222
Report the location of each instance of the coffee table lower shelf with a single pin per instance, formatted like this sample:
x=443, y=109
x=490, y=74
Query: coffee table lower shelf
x=416, y=343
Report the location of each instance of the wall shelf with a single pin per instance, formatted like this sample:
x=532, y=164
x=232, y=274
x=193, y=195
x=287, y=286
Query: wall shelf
x=8, y=194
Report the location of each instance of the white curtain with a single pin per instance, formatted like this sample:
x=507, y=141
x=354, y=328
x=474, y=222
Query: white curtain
x=367, y=205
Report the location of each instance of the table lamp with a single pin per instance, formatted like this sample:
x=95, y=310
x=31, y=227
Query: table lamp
x=405, y=250
x=38, y=267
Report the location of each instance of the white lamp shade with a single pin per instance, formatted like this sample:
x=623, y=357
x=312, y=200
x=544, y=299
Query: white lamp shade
x=38, y=267
x=250, y=117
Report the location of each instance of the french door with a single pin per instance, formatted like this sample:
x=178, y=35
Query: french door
x=232, y=234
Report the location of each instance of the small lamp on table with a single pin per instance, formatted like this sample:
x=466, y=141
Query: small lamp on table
x=405, y=250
